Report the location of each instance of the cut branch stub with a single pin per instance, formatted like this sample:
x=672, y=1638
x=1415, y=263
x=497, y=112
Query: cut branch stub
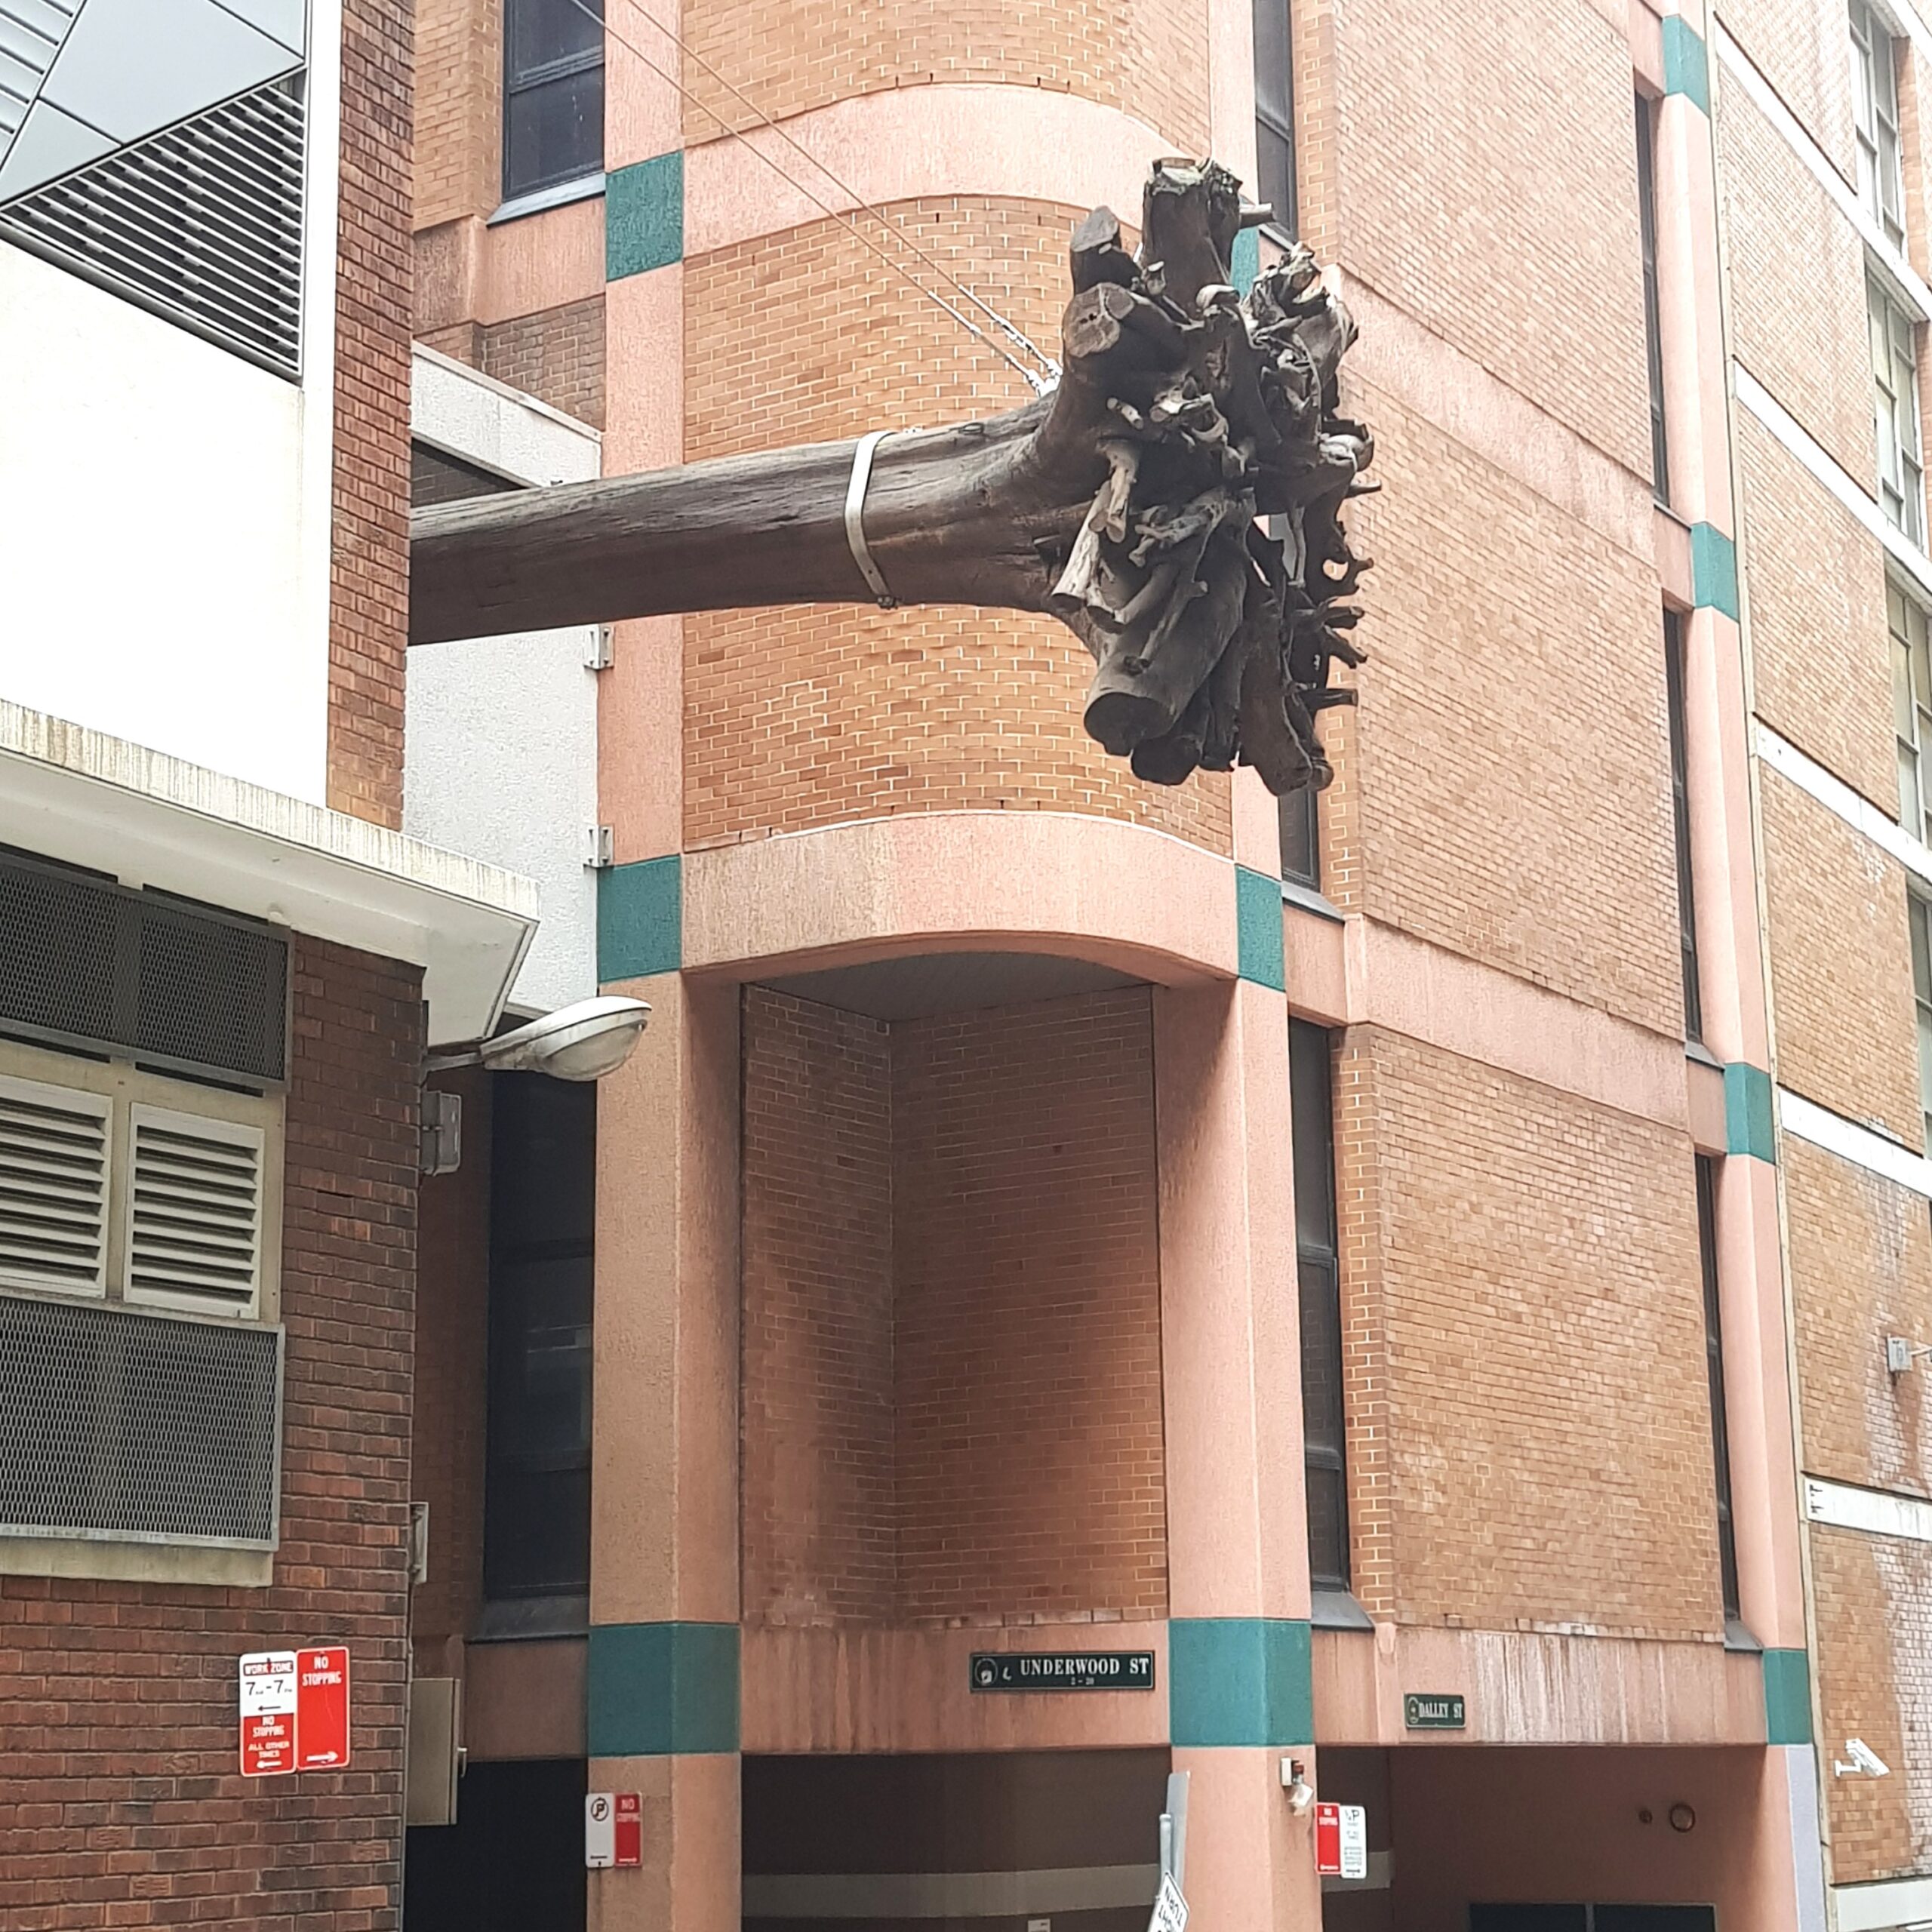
x=1213, y=639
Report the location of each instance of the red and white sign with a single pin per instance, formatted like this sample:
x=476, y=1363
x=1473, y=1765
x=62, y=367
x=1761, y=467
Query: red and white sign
x=322, y=1708
x=630, y=1830
x=1341, y=1841
x=613, y=1830
x=268, y=1713
x=294, y=1710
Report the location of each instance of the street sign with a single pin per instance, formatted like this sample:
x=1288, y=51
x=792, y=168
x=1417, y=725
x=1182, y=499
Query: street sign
x=1169, y=1908
x=613, y=1830
x=1341, y=1841
x=1062, y=1670
x=268, y=1713
x=322, y=1708
x=1425, y=1711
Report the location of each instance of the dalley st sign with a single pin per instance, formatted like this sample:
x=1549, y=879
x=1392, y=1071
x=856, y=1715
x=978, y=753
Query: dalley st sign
x=1062, y=1670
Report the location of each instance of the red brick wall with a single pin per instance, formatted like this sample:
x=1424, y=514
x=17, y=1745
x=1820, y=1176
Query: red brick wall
x=120, y=1804
x=818, y=1531
x=369, y=565
x=1031, y=1455
x=556, y=354
x=952, y=1359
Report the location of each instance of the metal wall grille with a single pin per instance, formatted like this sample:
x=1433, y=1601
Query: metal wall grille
x=202, y=223
x=88, y=963
x=194, y=1209
x=31, y=32
x=53, y=1166
x=137, y=1426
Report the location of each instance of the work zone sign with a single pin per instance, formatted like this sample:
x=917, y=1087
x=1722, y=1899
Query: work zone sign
x=294, y=1710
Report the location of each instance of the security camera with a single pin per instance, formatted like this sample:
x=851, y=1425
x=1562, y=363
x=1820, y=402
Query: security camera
x=1866, y=1762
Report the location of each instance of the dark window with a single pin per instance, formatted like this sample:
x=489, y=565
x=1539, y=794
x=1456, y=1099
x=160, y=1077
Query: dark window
x=536, y=1498
x=1323, y=1436
x=553, y=93
x=1707, y=1254
x=1680, y=809
x=1301, y=835
x=1274, y=113
x=1647, y=225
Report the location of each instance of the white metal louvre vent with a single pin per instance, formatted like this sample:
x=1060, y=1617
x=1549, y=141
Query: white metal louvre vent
x=137, y=1427
x=53, y=1169
x=194, y=1211
x=201, y=223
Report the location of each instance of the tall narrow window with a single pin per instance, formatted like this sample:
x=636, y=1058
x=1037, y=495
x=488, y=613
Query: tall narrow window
x=1300, y=814
x=1323, y=1438
x=1707, y=1252
x=537, y=1493
x=1274, y=113
x=553, y=95
x=1922, y=998
x=1895, y=407
x=1647, y=227
x=1874, y=74
x=1912, y=708
x=1680, y=808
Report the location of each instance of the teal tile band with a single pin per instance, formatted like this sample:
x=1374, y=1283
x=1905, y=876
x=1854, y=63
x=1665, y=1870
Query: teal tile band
x=1258, y=953
x=644, y=215
x=662, y=1690
x=1787, y=1697
x=1240, y=1681
x=1246, y=263
x=1748, y=1121
x=1686, y=68
x=640, y=919
x=1714, y=570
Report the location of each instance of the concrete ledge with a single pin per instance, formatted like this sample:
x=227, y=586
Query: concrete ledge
x=1140, y=901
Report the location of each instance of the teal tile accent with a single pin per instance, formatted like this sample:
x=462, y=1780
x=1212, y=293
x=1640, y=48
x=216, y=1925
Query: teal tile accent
x=1247, y=263
x=640, y=919
x=1240, y=1680
x=1258, y=929
x=1787, y=1697
x=1747, y=1120
x=1686, y=68
x=662, y=1690
x=1713, y=566
x=644, y=215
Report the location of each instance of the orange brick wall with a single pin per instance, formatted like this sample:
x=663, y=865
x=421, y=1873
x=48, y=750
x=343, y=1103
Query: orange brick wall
x=369, y=563
x=458, y=111
x=556, y=354
x=1795, y=290
x=818, y=1515
x=1840, y=964
x=1861, y=1253
x=1814, y=573
x=1530, y=1430
x=952, y=1393
x=1147, y=56
x=1512, y=761
x=811, y=716
x=1874, y=1598
x=1492, y=195
x=1804, y=50
x=1031, y=1477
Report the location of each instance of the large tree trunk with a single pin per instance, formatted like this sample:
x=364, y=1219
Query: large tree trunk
x=1124, y=503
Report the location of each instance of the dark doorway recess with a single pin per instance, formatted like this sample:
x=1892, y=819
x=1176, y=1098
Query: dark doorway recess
x=513, y=1861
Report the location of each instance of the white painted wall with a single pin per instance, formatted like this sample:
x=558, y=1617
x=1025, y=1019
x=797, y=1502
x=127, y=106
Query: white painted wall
x=157, y=583
x=500, y=755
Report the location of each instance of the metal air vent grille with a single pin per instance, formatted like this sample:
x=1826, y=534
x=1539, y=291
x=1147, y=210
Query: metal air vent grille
x=88, y=963
x=137, y=1427
x=31, y=32
x=53, y=1166
x=202, y=223
x=194, y=1210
